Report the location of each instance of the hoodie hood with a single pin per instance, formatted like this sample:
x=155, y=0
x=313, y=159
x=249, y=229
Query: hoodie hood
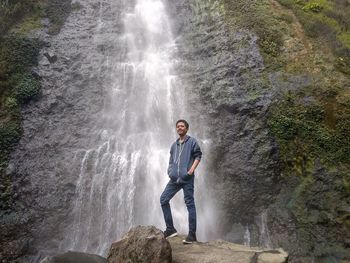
x=187, y=137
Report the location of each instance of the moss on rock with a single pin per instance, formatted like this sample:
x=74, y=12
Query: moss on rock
x=18, y=55
x=300, y=125
x=310, y=122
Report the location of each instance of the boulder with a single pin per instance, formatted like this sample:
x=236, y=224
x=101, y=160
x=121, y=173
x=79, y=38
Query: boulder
x=74, y=257
x=142, y=244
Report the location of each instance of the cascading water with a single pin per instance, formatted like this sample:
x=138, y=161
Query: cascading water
x=122, y=177
x=264, y=238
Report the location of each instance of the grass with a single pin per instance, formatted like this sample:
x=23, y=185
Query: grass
x=250, y=14
x=326, y=21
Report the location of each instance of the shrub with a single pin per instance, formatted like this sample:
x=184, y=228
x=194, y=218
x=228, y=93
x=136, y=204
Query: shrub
x=17, y=54
x=27, y=87
x=343, y=64
x=296, y=125
x=318, y=28
x=342, y=16
x=9, y=135
x=314, y=7
x=286, y=17
x=57, y=11
x=12, y=12
x=11, y=103
x=270, y=41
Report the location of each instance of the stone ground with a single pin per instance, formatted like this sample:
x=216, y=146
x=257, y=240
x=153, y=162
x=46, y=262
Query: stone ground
x=223, y=252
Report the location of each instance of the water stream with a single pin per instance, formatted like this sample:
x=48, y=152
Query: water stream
x=121, y=178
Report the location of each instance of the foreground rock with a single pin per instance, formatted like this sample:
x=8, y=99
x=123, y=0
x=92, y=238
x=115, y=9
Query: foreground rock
x=142, y=244
x=147, y=244
x=219, y=251
x=74, y=257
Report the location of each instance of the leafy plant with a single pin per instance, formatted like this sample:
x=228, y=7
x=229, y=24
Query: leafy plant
x=26, y=88
x=314, y=7
x=9, y=134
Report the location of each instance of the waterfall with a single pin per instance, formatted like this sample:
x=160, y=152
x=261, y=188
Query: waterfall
x=122, y=176
x=246, y=236
x=264, y=237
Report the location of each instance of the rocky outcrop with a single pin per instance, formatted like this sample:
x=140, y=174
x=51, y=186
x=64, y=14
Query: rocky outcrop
x=223, y=75
x=223, y=252
x=74, y=257
x=142, y=244
x=147, y=244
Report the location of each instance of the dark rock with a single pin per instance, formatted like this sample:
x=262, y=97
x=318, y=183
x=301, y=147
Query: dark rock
x=45, y=61
x=10, y=169
x=141, y=244
x=222, y=71
x=74, y=257
x=45, y=22
x=50, y=56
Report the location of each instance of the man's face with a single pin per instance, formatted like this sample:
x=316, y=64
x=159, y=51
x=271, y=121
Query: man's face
x=181, y=129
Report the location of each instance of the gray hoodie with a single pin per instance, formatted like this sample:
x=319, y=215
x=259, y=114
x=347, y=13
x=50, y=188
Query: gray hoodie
x=181, y=159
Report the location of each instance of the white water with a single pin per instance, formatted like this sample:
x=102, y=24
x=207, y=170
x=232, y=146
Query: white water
x=246, y=237
x=122, y=177
x=264, y=237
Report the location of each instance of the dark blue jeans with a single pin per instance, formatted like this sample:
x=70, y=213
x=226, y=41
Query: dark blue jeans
x=170, y=190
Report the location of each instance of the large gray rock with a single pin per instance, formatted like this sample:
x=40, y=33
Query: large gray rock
x=74, y=257
x=220, y=251
x=141, y=244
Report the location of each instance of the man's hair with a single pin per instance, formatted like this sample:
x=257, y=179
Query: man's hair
x=185, y=122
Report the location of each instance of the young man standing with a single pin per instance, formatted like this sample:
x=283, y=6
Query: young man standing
x=185, y=155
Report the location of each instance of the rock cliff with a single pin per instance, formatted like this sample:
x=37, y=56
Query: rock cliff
x=270, y=81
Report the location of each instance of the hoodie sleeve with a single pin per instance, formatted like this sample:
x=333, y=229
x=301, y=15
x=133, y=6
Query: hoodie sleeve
x=170, y=160
x=196, y=150
x=171, y=155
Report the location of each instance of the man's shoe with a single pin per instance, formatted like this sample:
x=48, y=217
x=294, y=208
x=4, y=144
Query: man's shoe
x=170, y=233
x=190, y=239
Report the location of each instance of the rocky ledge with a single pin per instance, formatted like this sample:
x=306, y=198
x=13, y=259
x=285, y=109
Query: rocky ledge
x=146, y=244
x=223, y=252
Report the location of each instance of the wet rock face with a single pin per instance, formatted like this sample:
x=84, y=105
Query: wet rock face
x=229, y=88
x=223, y=76
x=142, y=244
x=58, y=127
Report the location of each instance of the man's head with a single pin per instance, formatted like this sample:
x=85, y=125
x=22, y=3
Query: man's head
x=182, y=127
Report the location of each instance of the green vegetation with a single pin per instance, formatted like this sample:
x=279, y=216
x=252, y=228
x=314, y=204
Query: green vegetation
x=17, y=86
x=314, y=7
x=12, y=12
x=327, y=21
x=250, y=14
x=311, y=124
x=58, y=11
x=18, y=54
x=24, y=15
x=305, y=131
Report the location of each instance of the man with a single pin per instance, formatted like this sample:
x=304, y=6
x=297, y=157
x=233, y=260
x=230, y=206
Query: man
x=185, y=155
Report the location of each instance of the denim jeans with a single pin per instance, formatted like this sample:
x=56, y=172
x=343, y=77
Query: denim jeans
x=170, y=190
